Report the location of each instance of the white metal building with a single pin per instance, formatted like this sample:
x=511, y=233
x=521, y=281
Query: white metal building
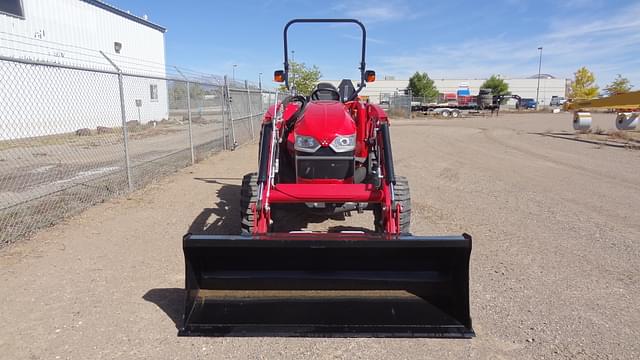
x=524, y=87
x=37, y=101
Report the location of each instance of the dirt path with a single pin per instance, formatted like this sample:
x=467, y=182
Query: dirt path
x=554, y=269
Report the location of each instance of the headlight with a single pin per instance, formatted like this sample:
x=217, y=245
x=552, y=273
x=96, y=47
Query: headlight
x=306, y=143
x=343, y=143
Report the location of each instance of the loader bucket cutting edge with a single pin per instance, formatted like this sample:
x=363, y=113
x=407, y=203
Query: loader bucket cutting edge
x=327, y=285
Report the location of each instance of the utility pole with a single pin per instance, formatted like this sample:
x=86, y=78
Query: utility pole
x=260, y=80
x=233, y=75
x=539, y=68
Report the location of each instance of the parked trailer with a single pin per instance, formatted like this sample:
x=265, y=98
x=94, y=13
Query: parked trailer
x=453, y=104
x=455, y=112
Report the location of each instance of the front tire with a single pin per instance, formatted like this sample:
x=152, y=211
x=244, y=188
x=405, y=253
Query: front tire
x=248, y=196
x=402, y=197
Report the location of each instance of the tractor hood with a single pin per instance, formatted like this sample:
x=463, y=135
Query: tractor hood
x=325, y=119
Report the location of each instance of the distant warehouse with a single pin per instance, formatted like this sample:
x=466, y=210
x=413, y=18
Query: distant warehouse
x=524, y=87
x=40, y=100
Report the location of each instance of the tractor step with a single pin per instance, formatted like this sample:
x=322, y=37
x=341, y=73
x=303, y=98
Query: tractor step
x=327, y=284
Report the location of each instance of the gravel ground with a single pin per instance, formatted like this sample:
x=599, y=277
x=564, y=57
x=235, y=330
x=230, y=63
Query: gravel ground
x=554, y=270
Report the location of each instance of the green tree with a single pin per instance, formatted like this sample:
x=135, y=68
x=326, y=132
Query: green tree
x=583, y=85
x=619, y=85
x=303, y=78
x=177, y=94
x=196, y=91
x=178, y=91
x=421, y=85
x=498, y=86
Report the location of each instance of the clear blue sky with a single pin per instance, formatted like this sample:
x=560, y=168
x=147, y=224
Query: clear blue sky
x=446, y=39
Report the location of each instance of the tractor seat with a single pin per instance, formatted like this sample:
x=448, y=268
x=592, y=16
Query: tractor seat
x=325, y=91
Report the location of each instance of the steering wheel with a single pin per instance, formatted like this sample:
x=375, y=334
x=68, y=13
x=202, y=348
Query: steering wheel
x=335, y=94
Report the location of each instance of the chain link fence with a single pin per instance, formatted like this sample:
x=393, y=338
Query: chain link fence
x=71, y=136
x=399, y=104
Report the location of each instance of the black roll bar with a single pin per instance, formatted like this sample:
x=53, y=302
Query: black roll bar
x=353, y=21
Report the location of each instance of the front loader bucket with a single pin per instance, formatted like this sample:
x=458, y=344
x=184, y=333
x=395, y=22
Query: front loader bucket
x=329, y=284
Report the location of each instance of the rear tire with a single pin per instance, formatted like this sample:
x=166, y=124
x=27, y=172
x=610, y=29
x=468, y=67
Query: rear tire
x=455, y=114
x=445, y=113
x=403, y=197
x=248, y=196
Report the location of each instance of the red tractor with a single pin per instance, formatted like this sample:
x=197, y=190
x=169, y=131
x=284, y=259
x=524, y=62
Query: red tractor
x=328, y=153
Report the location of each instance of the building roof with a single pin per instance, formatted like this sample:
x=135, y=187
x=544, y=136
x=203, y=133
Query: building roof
x=125, y=14
x=542, y=76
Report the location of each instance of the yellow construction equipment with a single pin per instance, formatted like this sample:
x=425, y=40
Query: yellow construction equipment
x=626, y=120
x=630, y=100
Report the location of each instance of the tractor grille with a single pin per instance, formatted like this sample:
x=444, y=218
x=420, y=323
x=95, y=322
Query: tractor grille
x=325, y=164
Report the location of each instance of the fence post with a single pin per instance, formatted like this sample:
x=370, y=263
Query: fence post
x=392, y=102
x=230, y=113
x=193, y=155
x=188, y=83
x=223, y=112
x=123, y=114
x=261, y=98
x=125, y=131
x=246, y=86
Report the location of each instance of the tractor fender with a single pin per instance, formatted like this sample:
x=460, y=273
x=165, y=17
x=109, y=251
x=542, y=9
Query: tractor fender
x=376, y=112
x=288, y=112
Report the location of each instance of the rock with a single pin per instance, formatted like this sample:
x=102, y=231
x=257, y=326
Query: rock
x=104, y=130
x=133, y=123
x=83, y=132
